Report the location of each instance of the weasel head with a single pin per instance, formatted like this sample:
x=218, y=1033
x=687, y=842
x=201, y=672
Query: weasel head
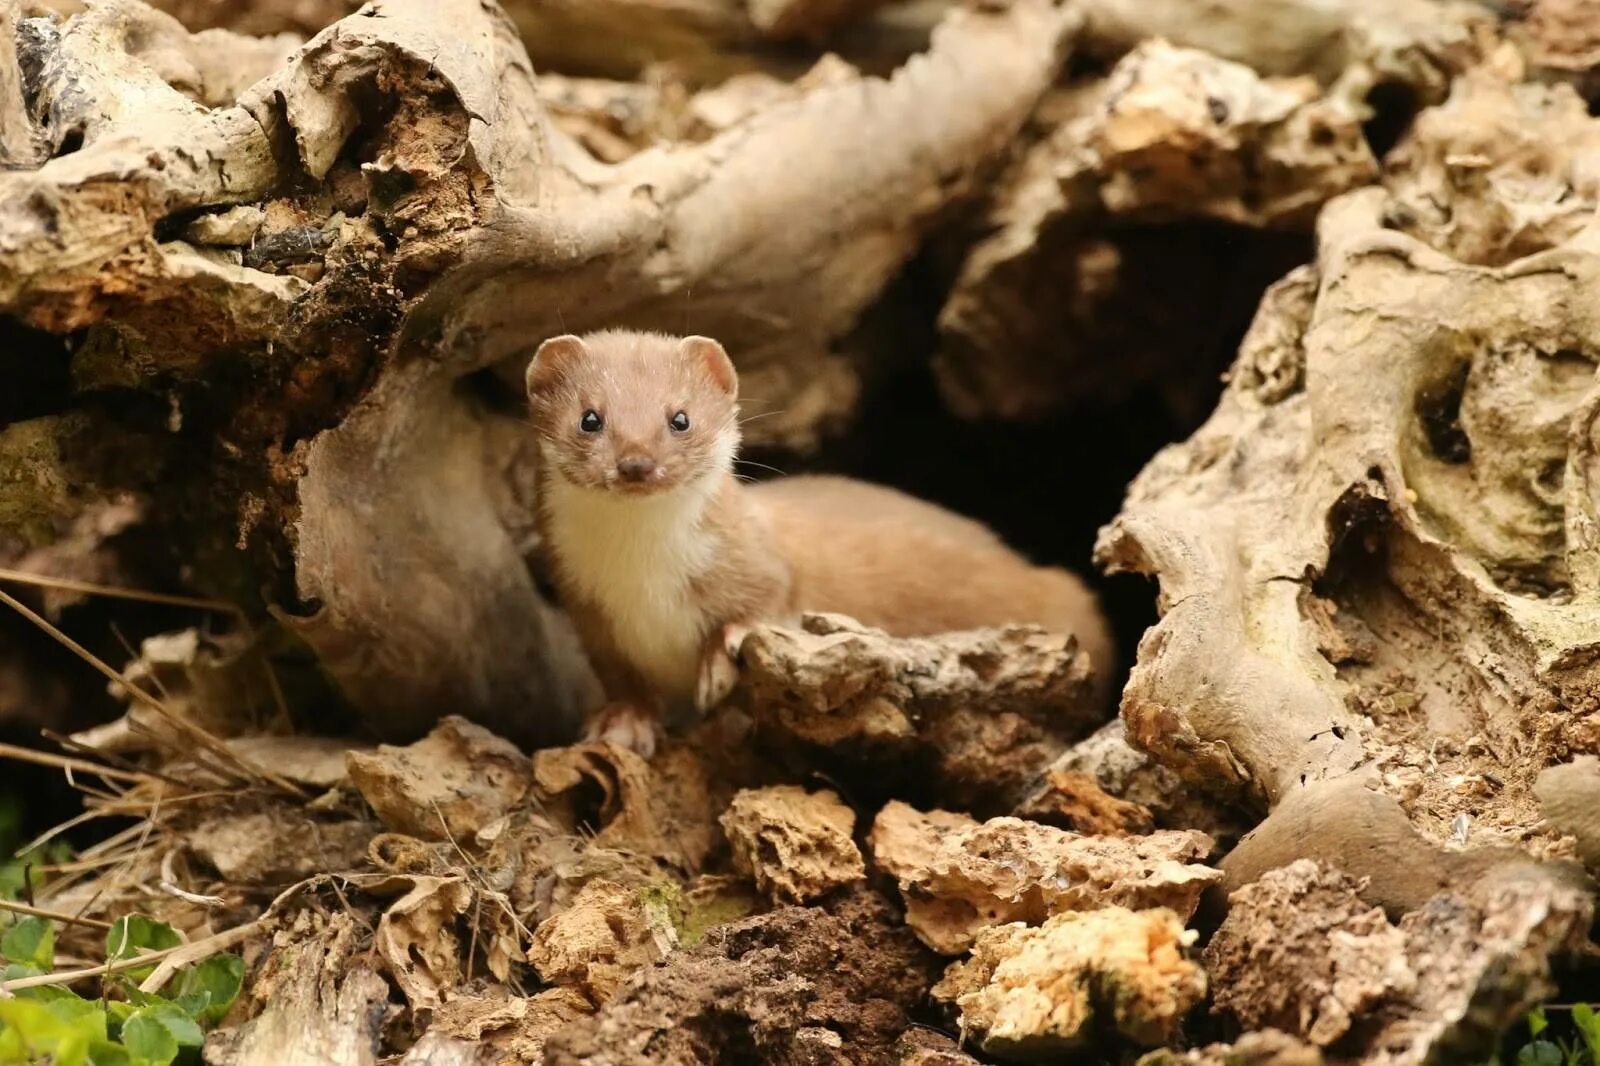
x=634, y=413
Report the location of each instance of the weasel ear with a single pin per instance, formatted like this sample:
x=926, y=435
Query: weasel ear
x=551, y=361
x=714, y=359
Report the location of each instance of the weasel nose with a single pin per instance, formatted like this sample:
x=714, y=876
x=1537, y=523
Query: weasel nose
x=636, y=468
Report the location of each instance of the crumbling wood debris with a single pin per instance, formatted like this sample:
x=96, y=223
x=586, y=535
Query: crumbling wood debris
x=986, y=711
x=1266, y=1048
x=470, y=1030
x=1331, y=960
x=607, y=932
x=1125, y=773
x=960, y=876
x=1035, y=994
x=277, y=846
x=454, y=782
x=320, y=1002
x=797, y=845
x=1300, y=952
x=416, y=937
x=1072, y=799
x=801, y=984
x=663, y=808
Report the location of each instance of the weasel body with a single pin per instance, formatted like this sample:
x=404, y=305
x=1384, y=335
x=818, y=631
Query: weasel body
x=657, y=549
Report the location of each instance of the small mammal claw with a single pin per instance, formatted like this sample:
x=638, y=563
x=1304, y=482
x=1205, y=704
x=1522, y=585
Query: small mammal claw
x=627, y=725
x=719, y=666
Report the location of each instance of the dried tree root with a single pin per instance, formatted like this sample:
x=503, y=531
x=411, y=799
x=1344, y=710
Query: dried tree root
x=1391, y=670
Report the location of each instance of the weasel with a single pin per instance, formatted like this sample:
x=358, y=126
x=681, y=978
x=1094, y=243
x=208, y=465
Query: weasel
x=661, y=555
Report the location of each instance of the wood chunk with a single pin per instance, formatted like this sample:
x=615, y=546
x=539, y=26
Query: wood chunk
x=605, y=934
x=959, y=880
x=662, y=808
x=796, y=845
x=1300, y=951
x=1033, y=994
x=984, y=711
x=457, y=780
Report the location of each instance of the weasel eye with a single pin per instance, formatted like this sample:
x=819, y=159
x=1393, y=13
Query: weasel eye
x=679, y=422
x=591, y=422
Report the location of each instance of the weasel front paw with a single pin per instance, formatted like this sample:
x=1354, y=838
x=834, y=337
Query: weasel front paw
x=719, y=666
x=627, y=725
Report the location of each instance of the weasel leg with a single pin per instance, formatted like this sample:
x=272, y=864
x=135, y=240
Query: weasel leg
x=627, y=724
x=719, y=666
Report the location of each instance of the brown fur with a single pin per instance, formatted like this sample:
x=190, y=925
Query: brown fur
x=740, y=554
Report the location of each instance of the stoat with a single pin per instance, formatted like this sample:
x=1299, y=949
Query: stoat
x=659, y=553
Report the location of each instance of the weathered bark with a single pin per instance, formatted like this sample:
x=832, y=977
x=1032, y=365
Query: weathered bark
x=321, y=1004
x=1392, y=667
x=1171, y=134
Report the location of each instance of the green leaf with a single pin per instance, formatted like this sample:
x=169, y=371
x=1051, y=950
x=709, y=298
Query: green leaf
x=85, y=1016
x=1587, y=1021
x=32, y=942
x=208, y=989
x=149, y=1041
x=1540, y=1053
x=23, y=871
x=1537, y=1022
x=134, y=935
x=30, y=1031
x=106, y=1053
x=182, y=1027
x=14, y=970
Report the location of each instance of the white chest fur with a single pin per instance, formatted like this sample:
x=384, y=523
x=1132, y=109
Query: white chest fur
x=634, y=559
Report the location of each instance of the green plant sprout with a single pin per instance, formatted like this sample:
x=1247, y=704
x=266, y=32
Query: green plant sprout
x=124, y=1027
x=1544, y=1049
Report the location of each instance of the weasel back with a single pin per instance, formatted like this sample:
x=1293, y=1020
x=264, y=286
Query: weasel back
x=912, y=568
